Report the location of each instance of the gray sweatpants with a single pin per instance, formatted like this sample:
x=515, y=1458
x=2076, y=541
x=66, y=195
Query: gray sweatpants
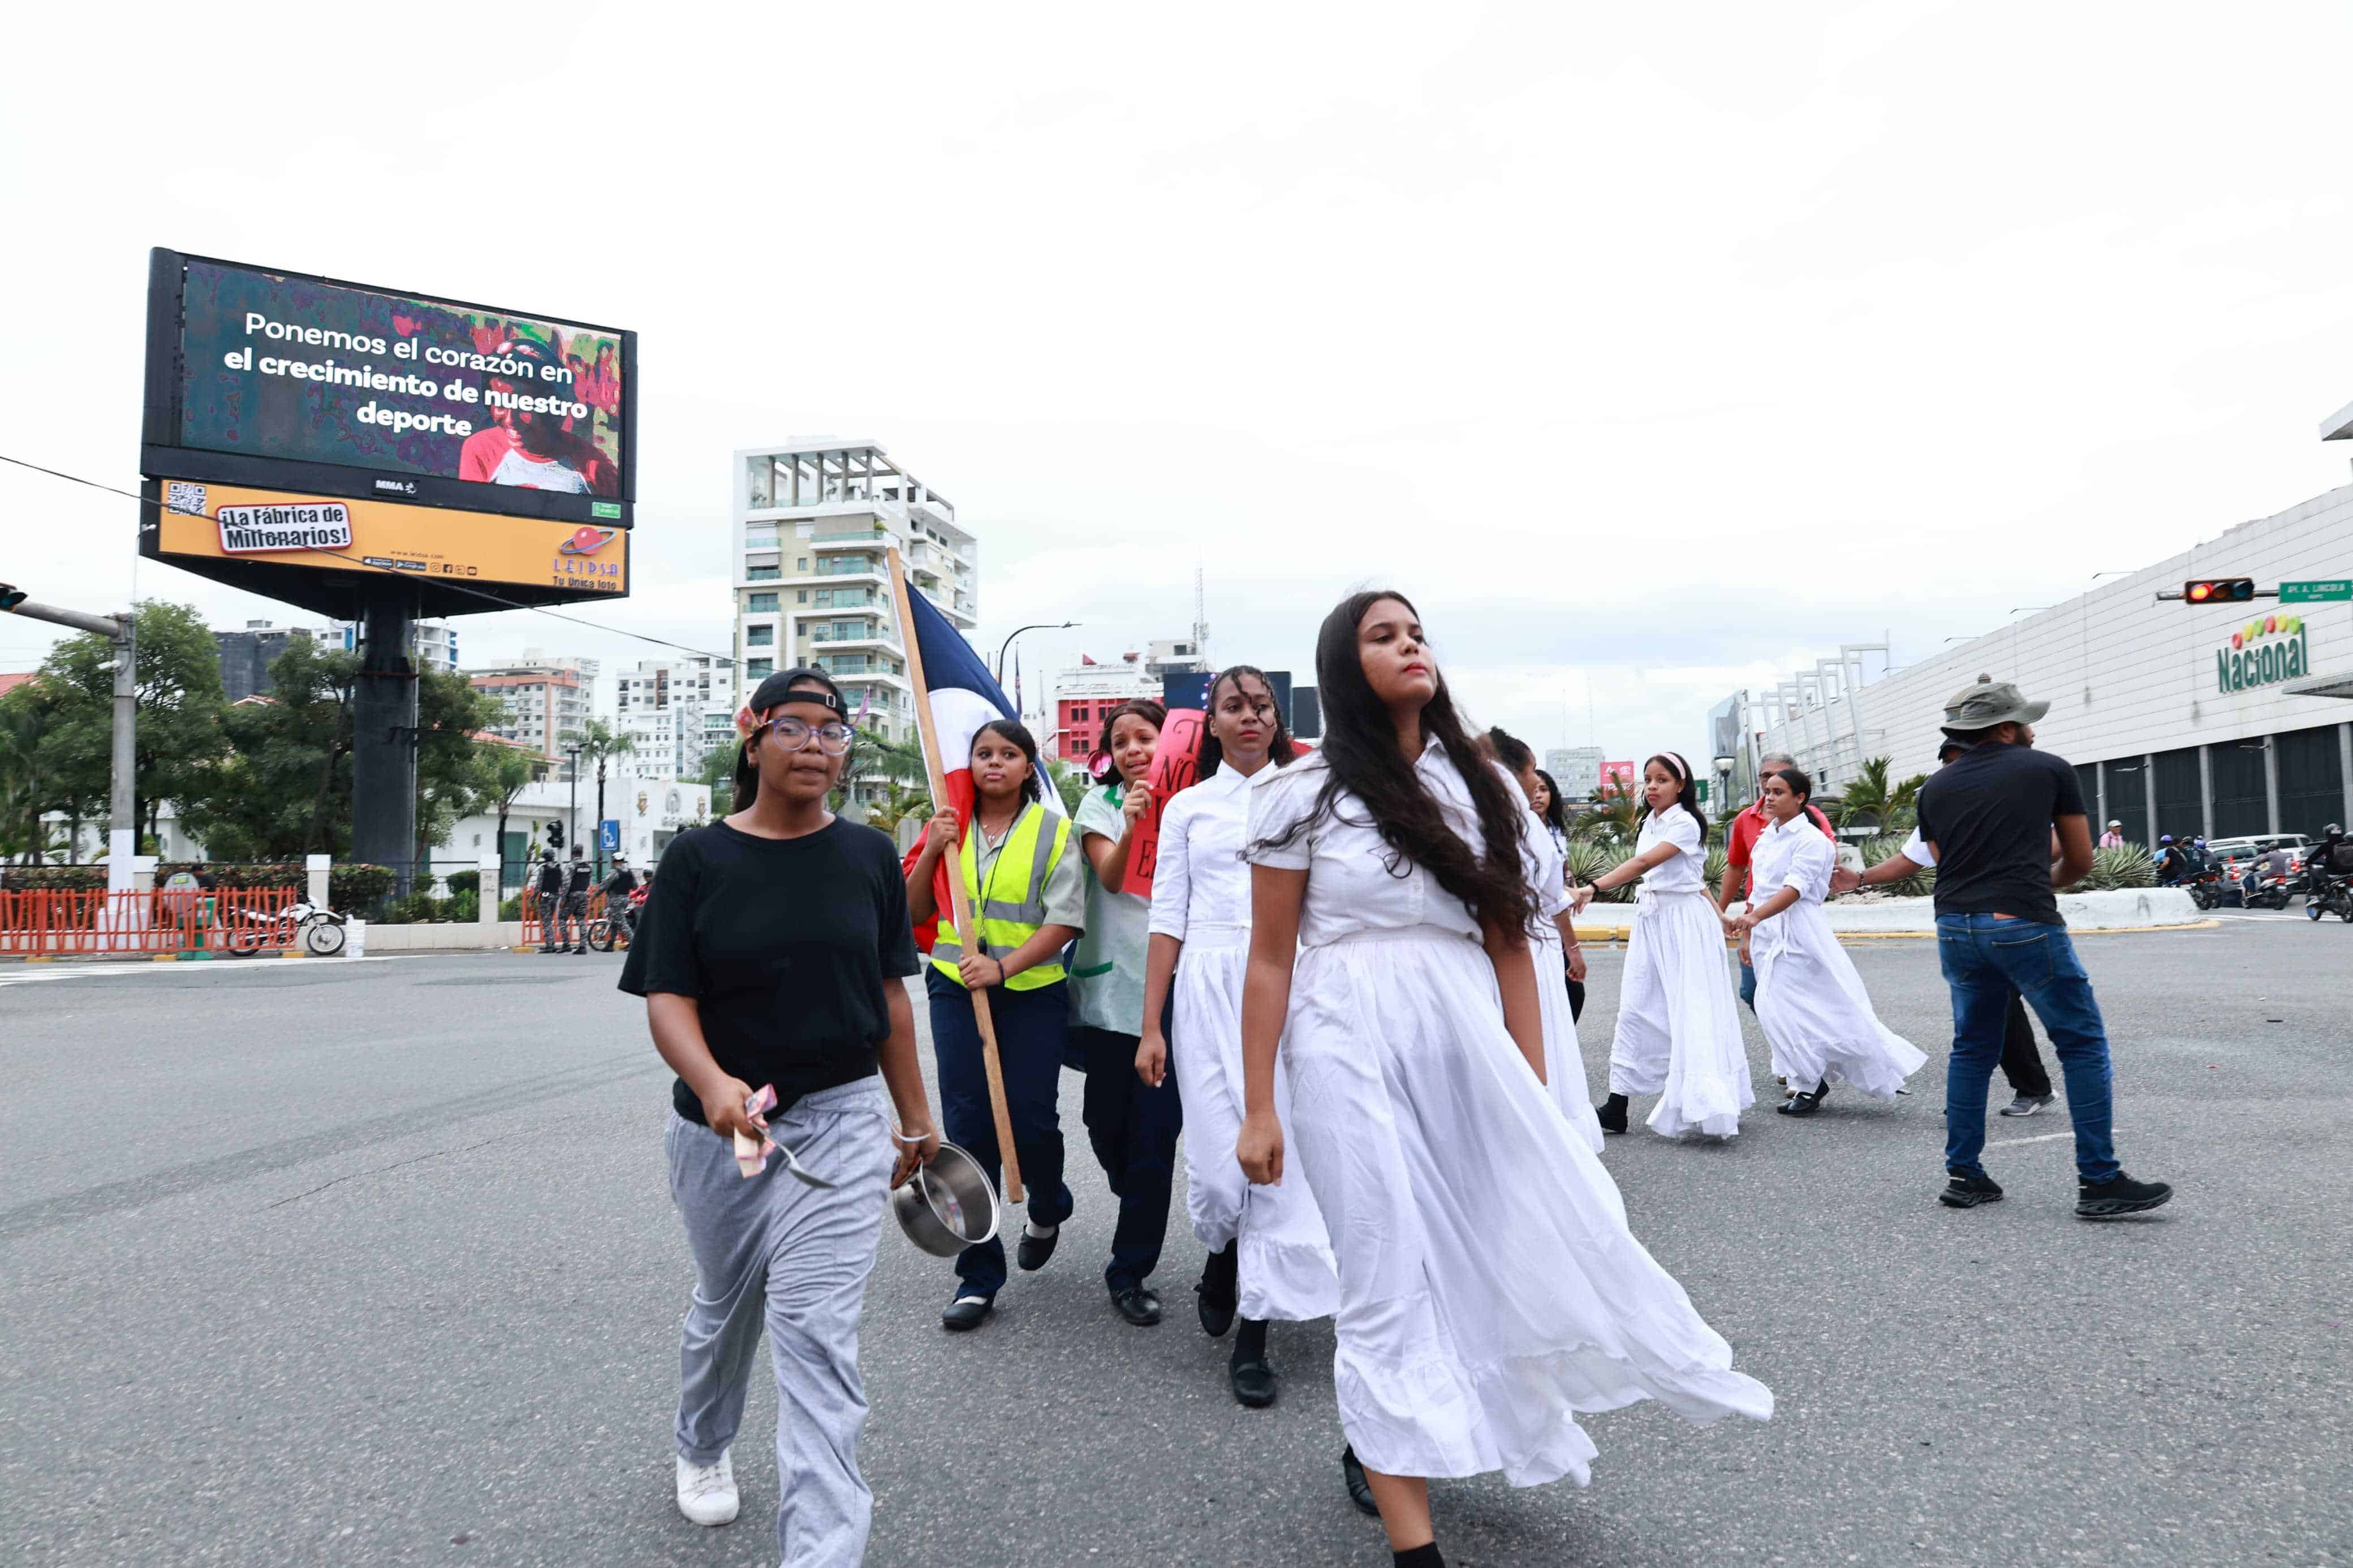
x=771, y=1252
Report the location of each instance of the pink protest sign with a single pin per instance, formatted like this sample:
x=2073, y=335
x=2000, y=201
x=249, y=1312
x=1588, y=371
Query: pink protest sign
x=1175, y=766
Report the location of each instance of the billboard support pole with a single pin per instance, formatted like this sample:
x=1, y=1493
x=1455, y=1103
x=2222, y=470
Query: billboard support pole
x=384, y=736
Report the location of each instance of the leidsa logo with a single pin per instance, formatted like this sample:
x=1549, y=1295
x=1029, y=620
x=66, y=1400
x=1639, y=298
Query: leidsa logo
x=259, y=530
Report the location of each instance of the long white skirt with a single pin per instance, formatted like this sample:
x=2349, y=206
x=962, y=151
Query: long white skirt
x=1285, y=1260
x=1812, y=1006
x=1564, y=1074
x=1489, y=1288
x=1679, y=1021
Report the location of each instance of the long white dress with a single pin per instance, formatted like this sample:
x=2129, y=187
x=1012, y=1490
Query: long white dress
x=1809, y=1000
x=1200, y=895
x=1564, y=1074
x=1489, y=1288
x=1678, y=1020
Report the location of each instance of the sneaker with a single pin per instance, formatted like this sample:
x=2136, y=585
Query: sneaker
x=2027, y=1104
x=706, y=1493
x=2120, y=1195
x=1966, y=1192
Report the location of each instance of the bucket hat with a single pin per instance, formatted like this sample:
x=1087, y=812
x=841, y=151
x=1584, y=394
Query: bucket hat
x=1991, y=702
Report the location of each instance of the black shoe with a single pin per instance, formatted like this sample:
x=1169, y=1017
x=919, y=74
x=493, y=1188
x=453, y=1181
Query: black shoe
x=966, y=1314
x=2118, y=1195
x=1217, y=1296
x=1034, y=1250
x=1612, y=1113
x=1965, y=1192
x=1360, y=1491
x=1138, y=1305
x=1254, y=1383
x=1805, y=1104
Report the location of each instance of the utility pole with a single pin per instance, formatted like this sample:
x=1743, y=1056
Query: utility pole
x=572, y=819
x=121, y=632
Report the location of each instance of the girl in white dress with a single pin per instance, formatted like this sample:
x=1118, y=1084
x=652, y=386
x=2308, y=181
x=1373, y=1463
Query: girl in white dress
x=1269, y=1258
x=1678, y=1031
x=1489, y=1288
x=1809, y=1000
x=1558, y=959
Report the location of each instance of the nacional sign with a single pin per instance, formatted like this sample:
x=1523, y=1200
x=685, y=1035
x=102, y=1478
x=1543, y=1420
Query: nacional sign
x=2264, y=652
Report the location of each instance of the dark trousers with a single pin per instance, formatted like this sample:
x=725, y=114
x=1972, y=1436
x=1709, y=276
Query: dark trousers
x=1987, y=962
x=1030, y=1029
x=1133, y=1128
x=2020, y=1062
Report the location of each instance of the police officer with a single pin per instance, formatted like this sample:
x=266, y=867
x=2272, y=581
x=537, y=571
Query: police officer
x=616, y=890
x=577, y=879
x=549, y=885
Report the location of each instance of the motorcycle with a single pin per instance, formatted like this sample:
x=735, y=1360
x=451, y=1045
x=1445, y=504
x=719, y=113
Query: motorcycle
x=622, y=926
x=2335, y=893
x=2205, y=887
x=2269, y=893
x=319, y=931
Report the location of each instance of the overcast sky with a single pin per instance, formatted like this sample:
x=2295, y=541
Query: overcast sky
x=1651, y=351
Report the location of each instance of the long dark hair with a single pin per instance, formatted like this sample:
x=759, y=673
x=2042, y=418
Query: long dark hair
x=1280, y=749
x=1033, y=787
x=1555, y=814
x=747, y=764
x=1360, y=748
x=1795, y=777
x=1689, y=796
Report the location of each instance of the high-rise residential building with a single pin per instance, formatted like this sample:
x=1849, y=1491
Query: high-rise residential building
x=667, y=707
x=813, y=520
x=432, y=645
x=245, y=654
x=1576, y=769
x=549, y=700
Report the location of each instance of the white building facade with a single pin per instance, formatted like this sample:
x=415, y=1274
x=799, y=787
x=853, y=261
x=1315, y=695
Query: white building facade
x=813, y=521
x=1576, y=769
x=548, y=700
x=667, y=707
x=2216, y=719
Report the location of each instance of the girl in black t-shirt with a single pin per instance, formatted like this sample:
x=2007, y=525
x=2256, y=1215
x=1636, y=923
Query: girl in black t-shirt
x=772, y=956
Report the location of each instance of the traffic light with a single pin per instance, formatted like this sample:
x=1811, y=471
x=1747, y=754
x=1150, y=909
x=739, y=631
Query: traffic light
x=11, y=595
x=2218, y=590
x=556, y=835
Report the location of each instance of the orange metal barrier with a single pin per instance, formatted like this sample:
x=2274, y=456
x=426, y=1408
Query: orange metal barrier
x=534, y=921
x=47, y=922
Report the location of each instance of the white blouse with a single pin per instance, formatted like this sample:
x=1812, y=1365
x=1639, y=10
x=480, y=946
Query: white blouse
x=1683, y=872
x=1794, y=854
x=1355, y=882
x=1200, y=877
x=1545, y=862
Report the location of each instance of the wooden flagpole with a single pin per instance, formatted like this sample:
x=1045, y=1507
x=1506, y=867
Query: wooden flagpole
x=959, y=906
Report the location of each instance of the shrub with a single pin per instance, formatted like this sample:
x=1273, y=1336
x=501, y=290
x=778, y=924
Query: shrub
x=416, y=909
x=358, y=885
x=464, y=908
x=463, y=882
x=2129, y=867
x=1589, y=857
x=1883, y=847
x=511, y=909
x=52, y=878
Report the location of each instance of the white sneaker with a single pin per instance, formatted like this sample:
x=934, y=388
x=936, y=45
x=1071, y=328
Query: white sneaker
x=706, y=1493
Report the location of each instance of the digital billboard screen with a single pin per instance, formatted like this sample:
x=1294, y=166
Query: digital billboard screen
x=283, y=381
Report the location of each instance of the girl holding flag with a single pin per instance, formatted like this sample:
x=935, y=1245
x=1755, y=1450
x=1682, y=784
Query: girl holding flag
x=1269, y=1258
x=1021, y=878
x=1131, y=1125
x=1489, y=1288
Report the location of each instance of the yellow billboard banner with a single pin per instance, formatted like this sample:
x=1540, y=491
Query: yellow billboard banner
x=229, y=522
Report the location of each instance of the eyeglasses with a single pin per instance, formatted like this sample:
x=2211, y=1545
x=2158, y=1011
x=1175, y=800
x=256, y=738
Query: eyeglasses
x=832, y=739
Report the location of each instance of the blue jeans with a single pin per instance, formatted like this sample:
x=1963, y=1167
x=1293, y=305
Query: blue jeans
x=1748, y=984
x=1985, y=958
x=1031, y=1028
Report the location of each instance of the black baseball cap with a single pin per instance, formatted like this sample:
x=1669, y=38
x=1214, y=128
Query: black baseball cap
x=817, y=688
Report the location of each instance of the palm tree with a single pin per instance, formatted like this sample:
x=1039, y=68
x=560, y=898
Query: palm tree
x=506, y=771
x=598, y=741
x=1616, y=813
x=1868, y=795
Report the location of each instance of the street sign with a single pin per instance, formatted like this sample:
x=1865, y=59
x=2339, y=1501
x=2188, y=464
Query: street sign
x=608, y=834
x=2318, y=592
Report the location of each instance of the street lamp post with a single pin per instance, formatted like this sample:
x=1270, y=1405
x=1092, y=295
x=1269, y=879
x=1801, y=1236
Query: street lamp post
x=1032, y=626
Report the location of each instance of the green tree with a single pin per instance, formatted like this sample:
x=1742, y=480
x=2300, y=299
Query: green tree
x=24, y=721
x=283, y=788
x=506, y=770
x=453, y=773
x=181, y=740
x=601, y=743
x=1616, y=814
x=719, y=773
x=1876, y=802
x=1072, y=783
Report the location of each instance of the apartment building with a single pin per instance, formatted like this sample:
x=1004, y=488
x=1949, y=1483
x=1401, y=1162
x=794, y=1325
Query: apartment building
x=673, y=710
x=813, y=521
x=432, y=645
x=549, y=700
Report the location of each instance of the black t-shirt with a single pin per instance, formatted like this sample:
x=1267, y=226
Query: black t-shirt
x=1990, y=813
x=786, y=944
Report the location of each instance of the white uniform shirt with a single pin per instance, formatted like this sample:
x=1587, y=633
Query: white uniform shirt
x=1547, y=857
x=1916, y=850
x=1200, y=877
x=1684, y=872
x=1794, y=854
x=1355, y=882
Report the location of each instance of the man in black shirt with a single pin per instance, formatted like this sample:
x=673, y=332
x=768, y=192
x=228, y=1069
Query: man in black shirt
x=1989, y=816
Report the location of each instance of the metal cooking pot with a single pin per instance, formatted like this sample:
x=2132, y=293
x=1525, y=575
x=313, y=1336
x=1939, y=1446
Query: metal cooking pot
x=948, y=1205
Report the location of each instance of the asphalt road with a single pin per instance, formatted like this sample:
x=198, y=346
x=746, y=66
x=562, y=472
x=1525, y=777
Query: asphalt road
x=374, y=1263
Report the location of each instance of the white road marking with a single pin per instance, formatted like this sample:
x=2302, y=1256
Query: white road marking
x=2014, y=1143
x=28, y=974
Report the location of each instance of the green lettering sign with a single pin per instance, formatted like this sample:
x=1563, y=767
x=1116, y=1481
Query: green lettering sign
x=2265, y=659
x=2319, y=591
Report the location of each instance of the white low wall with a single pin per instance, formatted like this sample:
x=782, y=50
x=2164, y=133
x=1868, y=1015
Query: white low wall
x=2132, y=908
x=467, y=937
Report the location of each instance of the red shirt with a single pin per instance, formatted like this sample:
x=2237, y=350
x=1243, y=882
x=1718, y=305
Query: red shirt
x=1741, y=842
x=483, y=451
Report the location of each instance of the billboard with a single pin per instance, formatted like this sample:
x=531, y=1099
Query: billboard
x=376, y=425
x=1620, y=778
x=249, y=539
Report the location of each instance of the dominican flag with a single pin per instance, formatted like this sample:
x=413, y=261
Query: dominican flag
x=963, y=696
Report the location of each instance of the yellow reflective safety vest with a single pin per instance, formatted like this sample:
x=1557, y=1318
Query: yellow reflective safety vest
x=1013, y=906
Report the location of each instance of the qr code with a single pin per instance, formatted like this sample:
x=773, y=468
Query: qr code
x=185, y=497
